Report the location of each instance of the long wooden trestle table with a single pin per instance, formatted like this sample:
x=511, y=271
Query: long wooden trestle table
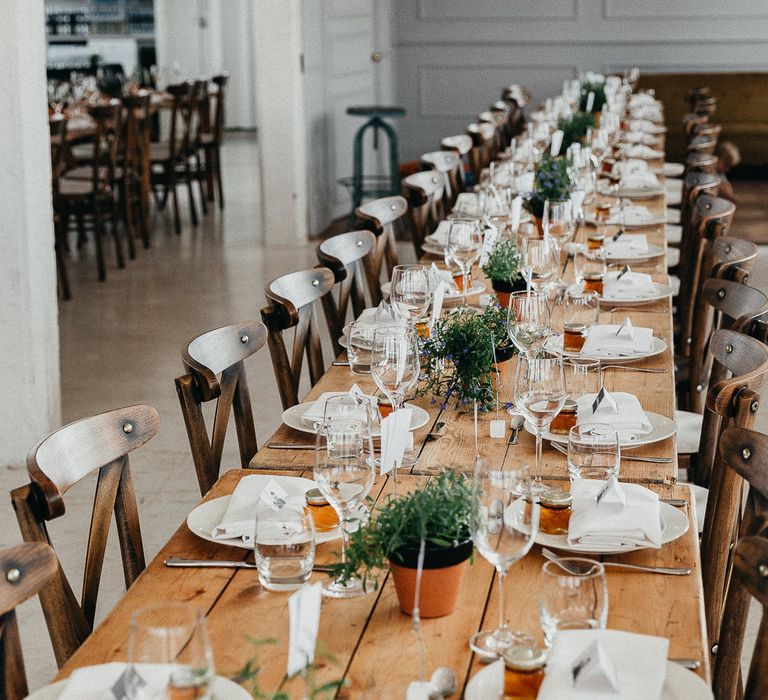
x=373, y=644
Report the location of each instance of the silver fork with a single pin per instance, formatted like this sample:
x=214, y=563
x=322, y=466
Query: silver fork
x=652, y=460
x=577, y=569
x=649, y=370
x=635, y=308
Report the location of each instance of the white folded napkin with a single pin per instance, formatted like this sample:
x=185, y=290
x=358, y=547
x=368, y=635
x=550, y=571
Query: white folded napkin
x=642, y=98
x=631, y=285
x=467, y=204
x=639, y=181
x=627, y=515
x=316, y=410
x=628, y=244
x=96, y=682
x=650, y=113
x=603, y=342
x=628, y=417
x=634, y=215
x=440, y=235
x=641, y=137
x=239, y=519
x=645, y=125
x=381, y=315
x=641, y=150
x=631, y=166
x=639, y=662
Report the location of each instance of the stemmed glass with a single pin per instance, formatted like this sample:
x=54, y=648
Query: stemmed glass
x=465, y=239
x=409, y=292
x=175, y=634
x=504, y=525
x=344, y=471
x=539, y=263
x=529, y=321
x=395, y=368
x=540, y=393
x=558, y=224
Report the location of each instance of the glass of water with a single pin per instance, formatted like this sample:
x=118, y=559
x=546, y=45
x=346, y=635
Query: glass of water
x=593, y=452
x=359, y=344
x=574, y=596
x=176, y=635
x=284, y=545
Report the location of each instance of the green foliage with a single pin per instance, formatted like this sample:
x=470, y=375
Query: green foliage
x=439, y=514
x=600, y=99
x=457, y=359
x=552, y=182
x=575, y=129
x=503, y=263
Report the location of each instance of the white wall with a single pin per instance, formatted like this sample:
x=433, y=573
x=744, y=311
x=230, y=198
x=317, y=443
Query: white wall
x=453, y=57
x=29, y=330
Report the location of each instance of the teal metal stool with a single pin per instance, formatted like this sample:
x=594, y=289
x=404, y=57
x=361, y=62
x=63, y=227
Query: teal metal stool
x=374, y=186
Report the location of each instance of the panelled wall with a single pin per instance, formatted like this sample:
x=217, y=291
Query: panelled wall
x=452, y=57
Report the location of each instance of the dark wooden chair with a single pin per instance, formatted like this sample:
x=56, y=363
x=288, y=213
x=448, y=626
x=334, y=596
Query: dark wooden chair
x=291, y=304
x=424, y=192
x=448, y=163
x=382, y=216
x=58, y=132
x=701, y=162
x=97, y=444
x=137, y=127
x=24, y=570
x=748, y=581
x=215, y=371
x=731, y=403
x=499, y=120
x=483, y=147
x=461, y=144
x=211, y=138
x=348, y=256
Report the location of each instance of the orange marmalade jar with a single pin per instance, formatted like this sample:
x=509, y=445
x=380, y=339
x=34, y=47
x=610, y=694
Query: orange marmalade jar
x=524, y=672
x=322, y=512
x=593, y=283
x=554, y=511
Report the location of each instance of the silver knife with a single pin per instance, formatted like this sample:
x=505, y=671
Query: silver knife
x=180, y=562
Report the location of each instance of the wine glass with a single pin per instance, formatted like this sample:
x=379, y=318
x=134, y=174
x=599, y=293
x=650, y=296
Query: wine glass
x=559, y=225
x=529, y=321
x=409, y=292
x=504, y=525
x=395, y=368
x=539, y=262
x=465, y=239
x=344, y=471
x=174, y=634
x=540, y=393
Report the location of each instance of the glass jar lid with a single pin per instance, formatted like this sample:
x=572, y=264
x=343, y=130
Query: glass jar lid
x=596, y=236
x=575, y=327
x=569, y=406
x=525, y=658
x=555, y=498
x=315, y=497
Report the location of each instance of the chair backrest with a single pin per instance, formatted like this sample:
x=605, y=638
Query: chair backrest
x=499, y=120
x=702, y=144
x=137, y=127
x=749, y=580
x=24, y=570
x=483, y=147
x=57, y=124
x=180, y=130
x=462, y=145
x=424, y=192
x=702, y=162
x=219, y=114
x=100, y=444
x=348, y=256
x=106, y=142
x=291, y=304
x=381, y=216
x=215, y=371
x=731, y=402
x=449, y=164
x=200, y=112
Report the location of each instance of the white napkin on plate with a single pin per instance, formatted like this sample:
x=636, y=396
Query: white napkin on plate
x=634, y=215
x=628, y=417
x=96, y=682
x=639, y=181
x=239, y=519
x=641, y=137
x=605, y=340
x=643, y=125
x=627, y=515
x=630, y=167
x=640, y=662
x=628, y=244
x=650, y=113
x=641, y=150
x=467, y=204
x=631, y=285
x=440, y=235
x=316, y=410
x=381, y=315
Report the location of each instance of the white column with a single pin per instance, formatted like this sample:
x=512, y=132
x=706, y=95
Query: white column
x=29, y=326
x=281, y=115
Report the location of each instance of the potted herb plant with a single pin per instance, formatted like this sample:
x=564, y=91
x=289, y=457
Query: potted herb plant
x=552, y=182
x=503, y=269
x=459, y=358
x=600, y=99
x=439, y=516
x=575, y=128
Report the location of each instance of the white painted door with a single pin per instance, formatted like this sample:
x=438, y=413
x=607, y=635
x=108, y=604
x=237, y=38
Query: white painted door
x=347, y=61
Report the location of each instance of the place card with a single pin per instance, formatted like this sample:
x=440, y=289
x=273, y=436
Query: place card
x=590, y=101
x=395, y=433
x=603, y=398
x=274, y=495
x=517, y=208
x=624, y=271
x=626, y=330
x=557, y=141
x=593, y=671
x=128, y=685
x=498, y=428
x=491, y=235
x=437, y=305
x=304, y=623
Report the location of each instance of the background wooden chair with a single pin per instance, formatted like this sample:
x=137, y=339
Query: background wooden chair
x=382, y=216
x=58, y=132
x=137, y=127
x=483, y=147
x=749, y=580
x=210, y=139
x=291, y=304
x=215, y=371
x=348, y=257
x=448, y=163
x=499, y=120
x=24, y=570
x=424, y=192
x=462, y=145
x=97, y=444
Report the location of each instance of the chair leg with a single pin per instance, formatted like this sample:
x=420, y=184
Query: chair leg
x=189, y=177
x=126, y=199
x=200, y=176
x=98, y=230
x=217, y=158
x=61, y=269
x=209, y=176
x=116, y=234
x=175, y=200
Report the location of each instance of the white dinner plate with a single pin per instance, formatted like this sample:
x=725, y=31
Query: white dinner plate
x=680, y=684
x=293, y=417
x=554, y=345
x=663, y=291
x=433, y=249
x=589, y=218
x=206, y=516
x=654, y=251
x=674, y=524
x=653, y=154
x=221, y=689
x=661, y=429
x=640, y=192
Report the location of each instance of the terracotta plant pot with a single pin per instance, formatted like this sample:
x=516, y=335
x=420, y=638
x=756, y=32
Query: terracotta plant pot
x=441, y=578
x=504, y=289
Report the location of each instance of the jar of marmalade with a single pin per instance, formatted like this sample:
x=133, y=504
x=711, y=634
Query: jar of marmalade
x=385, y=406
x=422, y=329
x=458, y=280
x=594, y=283
x=574, y=335
x=524, y=672
x=602, y=212
x=554, y=511
x=595, y=241
x=563, y=422
x=323, y=514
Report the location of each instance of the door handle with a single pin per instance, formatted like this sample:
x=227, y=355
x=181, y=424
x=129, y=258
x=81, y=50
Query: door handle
x=376, y=57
